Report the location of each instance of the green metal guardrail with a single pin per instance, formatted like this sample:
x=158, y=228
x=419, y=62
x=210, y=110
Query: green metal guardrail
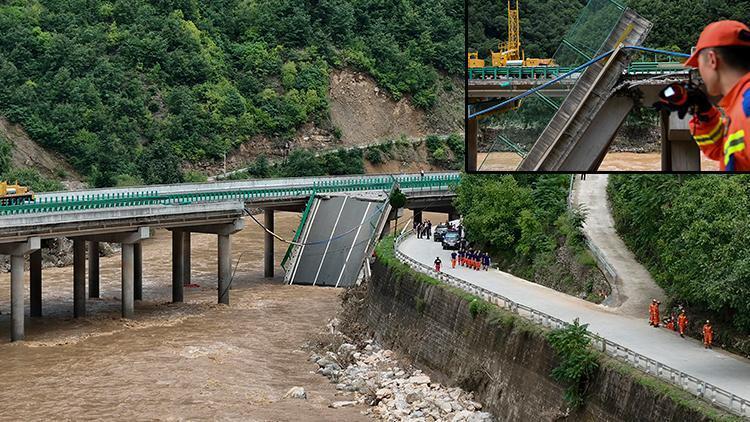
x=117, y=200
x=548, y=72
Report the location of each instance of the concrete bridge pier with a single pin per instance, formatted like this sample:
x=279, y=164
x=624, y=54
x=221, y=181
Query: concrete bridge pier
x=268, y=243
x=137, y=271
x=178, y=265
x=79, y=277
x=417, y=215
x=453, y=215
x=128, y=307
x=17, y=251
x=186, y=246
x=35, y=285
x=93, y=269
x=225, y=267
x=128, y=240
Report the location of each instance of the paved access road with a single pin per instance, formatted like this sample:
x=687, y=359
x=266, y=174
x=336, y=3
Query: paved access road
x=717, y=367
x=634, y=287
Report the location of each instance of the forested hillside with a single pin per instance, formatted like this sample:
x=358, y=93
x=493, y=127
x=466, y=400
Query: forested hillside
x=677, y=23
x=131, y=88
x=692, y=234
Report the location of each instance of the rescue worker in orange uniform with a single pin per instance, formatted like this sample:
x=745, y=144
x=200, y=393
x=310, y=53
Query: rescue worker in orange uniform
x=453, y=259
x=670, y=324
x=654, y=313
x=682, y=322
x=722, y=57
x=708, y=335
x=437, y=264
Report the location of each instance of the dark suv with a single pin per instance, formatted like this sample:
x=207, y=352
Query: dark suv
x=451, y=240
x=438, y=232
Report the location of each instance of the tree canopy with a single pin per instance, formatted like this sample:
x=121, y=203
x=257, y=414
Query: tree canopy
x=120, y=86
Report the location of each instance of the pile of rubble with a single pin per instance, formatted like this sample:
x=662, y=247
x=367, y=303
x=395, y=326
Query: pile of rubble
x=373, y=377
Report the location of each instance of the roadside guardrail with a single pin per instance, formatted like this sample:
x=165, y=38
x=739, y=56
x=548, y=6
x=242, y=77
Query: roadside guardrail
x=717, y=396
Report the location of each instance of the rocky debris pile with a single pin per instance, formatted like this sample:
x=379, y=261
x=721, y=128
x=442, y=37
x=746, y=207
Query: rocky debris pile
x=373, y=376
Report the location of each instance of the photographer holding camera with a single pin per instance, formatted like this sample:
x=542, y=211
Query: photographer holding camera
x=722, y=57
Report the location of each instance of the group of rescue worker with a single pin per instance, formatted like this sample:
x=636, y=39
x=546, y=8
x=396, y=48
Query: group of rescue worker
x=475, y=260
x=678, y=321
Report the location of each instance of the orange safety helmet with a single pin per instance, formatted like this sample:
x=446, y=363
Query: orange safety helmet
x=720, y=34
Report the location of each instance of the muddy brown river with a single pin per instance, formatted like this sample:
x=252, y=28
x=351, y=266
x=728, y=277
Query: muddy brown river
x=613, y=161
x=196, y=361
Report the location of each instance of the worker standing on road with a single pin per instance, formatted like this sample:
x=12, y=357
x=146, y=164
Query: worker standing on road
x=654, y=313
x=682, y=322
x=437, y=264
x=453, y=259
x=722, y=57
x=708, y=335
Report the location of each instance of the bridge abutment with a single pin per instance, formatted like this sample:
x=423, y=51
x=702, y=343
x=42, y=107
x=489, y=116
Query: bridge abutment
x=268, y=215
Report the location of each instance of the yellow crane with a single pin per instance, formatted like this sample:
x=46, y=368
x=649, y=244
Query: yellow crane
x=510, y=52
x=14, y=194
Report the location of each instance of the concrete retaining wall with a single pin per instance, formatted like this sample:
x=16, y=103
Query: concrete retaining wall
x=505, y=360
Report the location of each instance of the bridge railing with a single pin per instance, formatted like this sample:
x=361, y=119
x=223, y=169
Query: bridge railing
x=549, y=72
x=694, y=385
x=77, y=202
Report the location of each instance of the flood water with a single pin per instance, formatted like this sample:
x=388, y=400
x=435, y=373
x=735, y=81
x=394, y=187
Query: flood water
x=613, y=161
x=197, y=360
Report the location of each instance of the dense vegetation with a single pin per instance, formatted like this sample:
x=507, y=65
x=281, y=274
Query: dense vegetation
x=445, y=152
x=677, y=23
x=127, y=89
x=692, y=234
x=524, y=221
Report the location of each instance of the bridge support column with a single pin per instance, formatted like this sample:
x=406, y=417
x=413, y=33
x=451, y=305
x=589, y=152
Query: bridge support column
x=93, y=269
x=386, y=229
x=17, y=261
x=178, y=262
x=679, y=152
x=35, y=285
x=472, y=131
x=137, y=271
x=186, y=247
x=128, y=308
x=453, y=215
x=268, y=244
x=225, y=265
x=417, y=215
x=16, y=298
x=79, y=278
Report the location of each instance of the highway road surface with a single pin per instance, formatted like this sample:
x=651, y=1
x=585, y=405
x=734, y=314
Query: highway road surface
x=722, y=369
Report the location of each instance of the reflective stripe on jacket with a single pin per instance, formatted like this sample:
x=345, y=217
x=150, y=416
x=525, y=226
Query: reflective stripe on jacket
x=724, y=132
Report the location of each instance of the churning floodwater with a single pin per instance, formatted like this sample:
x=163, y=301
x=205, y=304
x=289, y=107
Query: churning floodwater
x=197, y=360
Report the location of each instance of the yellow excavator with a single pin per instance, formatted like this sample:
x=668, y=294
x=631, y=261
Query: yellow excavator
x=14, y=194
x=510, y=52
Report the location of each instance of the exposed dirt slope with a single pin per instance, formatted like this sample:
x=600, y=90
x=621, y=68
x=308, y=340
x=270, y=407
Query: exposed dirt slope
x=27, y=153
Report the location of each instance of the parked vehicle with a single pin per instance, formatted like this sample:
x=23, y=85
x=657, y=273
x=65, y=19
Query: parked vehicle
x=451, y=240
x=438, y=232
